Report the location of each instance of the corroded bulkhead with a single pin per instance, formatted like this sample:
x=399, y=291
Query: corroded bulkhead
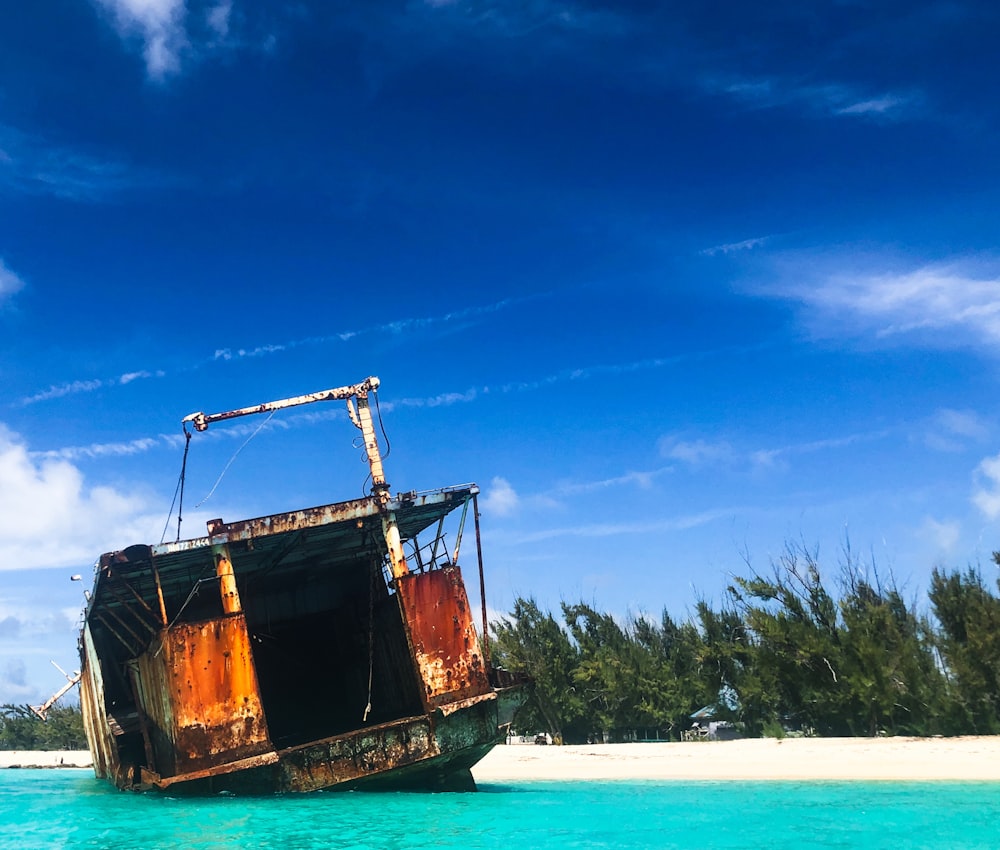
x=326, y=647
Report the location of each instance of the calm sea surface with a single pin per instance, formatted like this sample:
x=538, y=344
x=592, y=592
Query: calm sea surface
x=69, y=808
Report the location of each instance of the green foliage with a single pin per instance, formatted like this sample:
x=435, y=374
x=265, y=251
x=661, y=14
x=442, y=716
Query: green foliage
x=786, y=654
x=969, y=643
x=22, y=729
x=532, y=642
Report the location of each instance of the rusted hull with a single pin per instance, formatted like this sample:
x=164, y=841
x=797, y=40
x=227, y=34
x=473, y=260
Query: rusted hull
x=286, y=657
x=429, y=752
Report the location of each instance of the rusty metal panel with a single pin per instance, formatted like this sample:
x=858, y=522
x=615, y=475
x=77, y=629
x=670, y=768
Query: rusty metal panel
x=416, y=751
x=442, y=636
x=426, y=505
x=432, y=751
x=348, y=758
x=152, y=779
x=200, y=693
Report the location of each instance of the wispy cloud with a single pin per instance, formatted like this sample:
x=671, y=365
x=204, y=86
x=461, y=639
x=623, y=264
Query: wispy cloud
x=35, y=166
x=616, y=369
x=699, y=451
x=99, y=450
x=771, y=457
x=517, y=20
x=732, y=247
x=952, y=430
x=75, y=387
x=440, y=400
x=634, y=478
x=10, y=282
x=444, y=399
x=396, y=327
x=677, y=523
x=502, y=499
x=832, y=99
x=946, y=304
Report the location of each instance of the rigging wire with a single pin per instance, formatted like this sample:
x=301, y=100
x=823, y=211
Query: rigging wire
x=371, y=636
x=378, y=410
x=225, y=469
x=179, y=489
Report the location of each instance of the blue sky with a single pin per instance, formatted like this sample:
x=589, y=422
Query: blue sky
x=676, y=284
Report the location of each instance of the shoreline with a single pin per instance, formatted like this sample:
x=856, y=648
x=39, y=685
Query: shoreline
x=967, y=758
x=45, y=758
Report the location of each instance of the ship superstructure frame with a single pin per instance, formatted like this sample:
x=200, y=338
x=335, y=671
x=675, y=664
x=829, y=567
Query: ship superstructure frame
x=295, y=651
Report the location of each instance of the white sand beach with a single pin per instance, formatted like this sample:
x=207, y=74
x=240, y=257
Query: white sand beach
x=967, y=758
x=922, y=759
x=45, y=758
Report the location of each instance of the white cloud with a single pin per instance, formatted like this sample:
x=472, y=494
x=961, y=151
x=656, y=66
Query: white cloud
x=702, y=452
x=74, y=387
x=160, y=26
x=876, y=105
x=986, y=495
x=951, y=430
x=501, y=498
x=217, y=18
x=678, y=523
x=943, y=535
x=51, y=517
x=641, y=479
x=441, y=400
x=770, y=457
x=731, y=247
x=95, y=450
x=946, y=302
x=9, y=282
x=696, y=452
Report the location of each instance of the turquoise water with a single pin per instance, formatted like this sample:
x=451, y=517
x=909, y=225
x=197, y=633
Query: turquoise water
x=69, y=808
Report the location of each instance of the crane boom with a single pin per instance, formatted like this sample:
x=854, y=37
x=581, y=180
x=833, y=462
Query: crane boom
x=202, y=420
x=361, y=417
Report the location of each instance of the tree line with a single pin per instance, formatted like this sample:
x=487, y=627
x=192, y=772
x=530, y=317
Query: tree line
x=22, y=729
x=785, y=651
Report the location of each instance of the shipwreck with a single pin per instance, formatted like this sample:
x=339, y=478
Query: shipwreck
x=328, y=647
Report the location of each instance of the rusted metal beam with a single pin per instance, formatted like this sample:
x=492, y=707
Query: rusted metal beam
x=124, y=641
x=482, y=581
x=127, y=606
x=437, y=540
x=461, y=528
x=278, y=556
x=140, y=639
x=227, y=578
x=138, y=597
x=159, y=594
x=133, y=679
